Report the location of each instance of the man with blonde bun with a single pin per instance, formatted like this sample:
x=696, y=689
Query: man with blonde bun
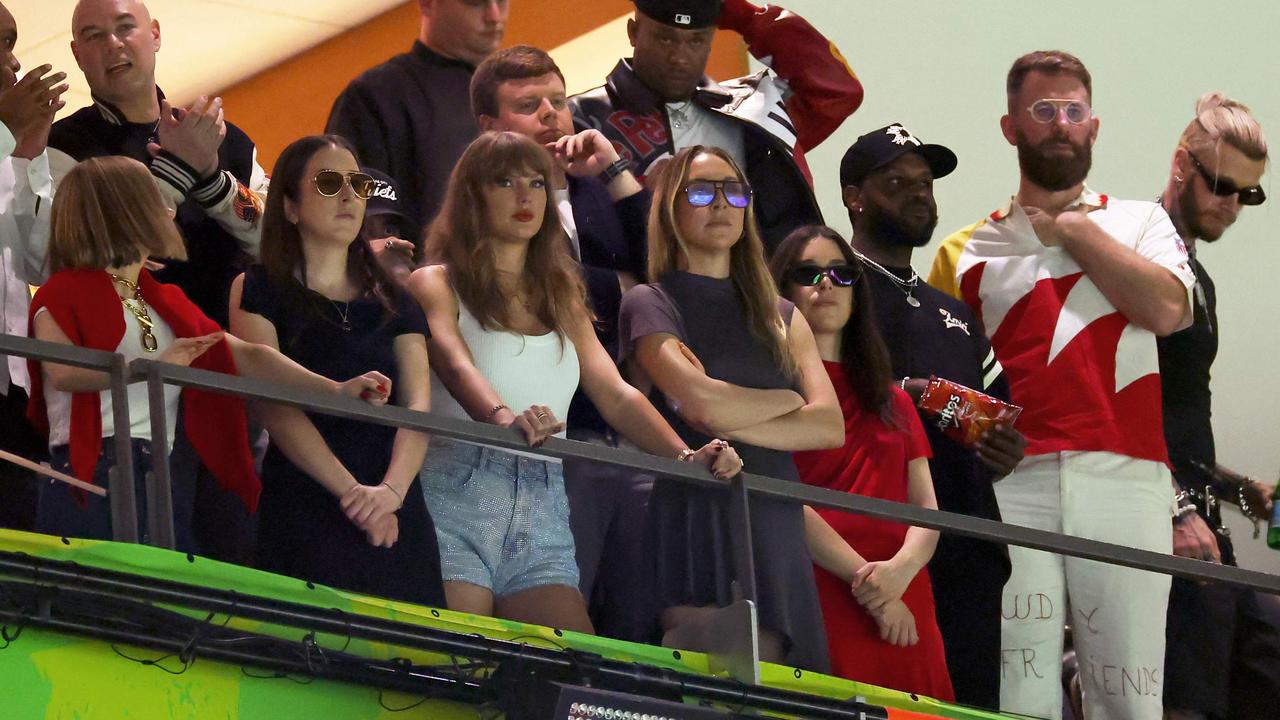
x=1223, y=656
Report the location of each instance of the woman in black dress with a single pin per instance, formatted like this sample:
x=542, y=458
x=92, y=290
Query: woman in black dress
x=340, y=502
x=724, y=356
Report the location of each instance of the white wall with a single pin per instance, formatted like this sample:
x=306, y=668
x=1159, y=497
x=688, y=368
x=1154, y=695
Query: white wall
x=938, y=67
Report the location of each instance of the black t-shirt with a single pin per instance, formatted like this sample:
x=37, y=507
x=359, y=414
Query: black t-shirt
x=942, y=337
x=1185, y=360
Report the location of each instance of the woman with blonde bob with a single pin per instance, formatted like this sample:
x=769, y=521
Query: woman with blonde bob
x=512, y=338
x=108, y=220
x=722, y=355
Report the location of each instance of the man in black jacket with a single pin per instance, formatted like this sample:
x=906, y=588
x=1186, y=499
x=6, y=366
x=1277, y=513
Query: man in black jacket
x=408, y=116
x=206, y=167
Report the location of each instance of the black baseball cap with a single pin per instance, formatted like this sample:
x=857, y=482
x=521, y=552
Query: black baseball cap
x=385, y=200
x=881, y=147
x=684, y=14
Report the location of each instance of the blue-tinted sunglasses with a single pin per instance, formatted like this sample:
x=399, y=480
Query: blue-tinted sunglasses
x=701, y=193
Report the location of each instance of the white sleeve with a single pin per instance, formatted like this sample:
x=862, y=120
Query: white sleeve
x=1159, y=243
x=31, y=205
x=233, y=205
x=8, y=143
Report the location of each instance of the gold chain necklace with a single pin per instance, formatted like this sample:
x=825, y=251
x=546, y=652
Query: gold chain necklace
x=138, y=307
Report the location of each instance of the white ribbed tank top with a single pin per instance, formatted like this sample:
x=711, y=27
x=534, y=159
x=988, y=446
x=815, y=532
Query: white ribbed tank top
x=523, y=369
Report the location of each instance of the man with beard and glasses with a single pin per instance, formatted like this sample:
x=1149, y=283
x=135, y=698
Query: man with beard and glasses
x=886, y=179
x=1223, y=658
x=1073, y=287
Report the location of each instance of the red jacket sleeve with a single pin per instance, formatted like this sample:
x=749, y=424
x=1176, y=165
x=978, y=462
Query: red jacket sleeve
x=824, y=90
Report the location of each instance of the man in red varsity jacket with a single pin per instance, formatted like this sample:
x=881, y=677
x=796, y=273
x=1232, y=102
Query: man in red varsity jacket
x=659, y=100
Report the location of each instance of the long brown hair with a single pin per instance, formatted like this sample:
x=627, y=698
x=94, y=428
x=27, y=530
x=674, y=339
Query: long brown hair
x=862, y=351
x=107, y=211
x=281, y=251
x=461, y=238
x=747, y=270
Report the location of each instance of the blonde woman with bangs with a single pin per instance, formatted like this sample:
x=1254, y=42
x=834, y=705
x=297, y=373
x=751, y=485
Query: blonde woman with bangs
x=722, y=355
x=511, y=340
x=108, y=220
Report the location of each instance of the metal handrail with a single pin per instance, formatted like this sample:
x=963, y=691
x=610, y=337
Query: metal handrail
x=120, y=494
x=158, y=374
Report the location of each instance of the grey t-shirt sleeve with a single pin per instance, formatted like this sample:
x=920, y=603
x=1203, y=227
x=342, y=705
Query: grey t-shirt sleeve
x=646, y=310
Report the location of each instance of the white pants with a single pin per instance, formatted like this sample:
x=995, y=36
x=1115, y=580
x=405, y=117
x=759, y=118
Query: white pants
x=1118, y=614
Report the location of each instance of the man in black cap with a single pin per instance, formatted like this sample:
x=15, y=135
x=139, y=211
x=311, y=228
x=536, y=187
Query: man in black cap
x=886, y=179
x=408, y=116
x=659, y=101
x=392, y=234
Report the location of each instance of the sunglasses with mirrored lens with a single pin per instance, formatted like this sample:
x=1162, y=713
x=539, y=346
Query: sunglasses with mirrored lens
x=1223, y=187
x=701, y=193
x=810, y=275
x=1048, y=109
x=329, y=183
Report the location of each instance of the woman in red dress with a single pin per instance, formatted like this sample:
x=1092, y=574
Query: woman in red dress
x=872, y=583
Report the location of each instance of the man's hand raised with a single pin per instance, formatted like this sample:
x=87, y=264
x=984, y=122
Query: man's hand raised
x=27, y=108
x=192, y=134
x=585, y=154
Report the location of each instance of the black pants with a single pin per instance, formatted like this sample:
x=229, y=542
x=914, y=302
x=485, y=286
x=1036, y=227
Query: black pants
x=968, y=579
x=1223, y=654
x=18, y=486
x=607, y=508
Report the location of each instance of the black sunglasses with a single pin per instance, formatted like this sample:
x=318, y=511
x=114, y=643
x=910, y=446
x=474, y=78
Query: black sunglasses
x=1223, y=187
x=329, y=183
x=810, y=275
x=701, y=193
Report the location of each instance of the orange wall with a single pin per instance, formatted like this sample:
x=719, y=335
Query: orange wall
x=293, y=98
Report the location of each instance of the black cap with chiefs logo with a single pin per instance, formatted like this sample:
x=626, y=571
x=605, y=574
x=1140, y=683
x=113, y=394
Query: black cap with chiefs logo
x=686, y=14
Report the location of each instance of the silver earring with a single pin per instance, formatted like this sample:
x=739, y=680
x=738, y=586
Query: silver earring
x=1177, y=179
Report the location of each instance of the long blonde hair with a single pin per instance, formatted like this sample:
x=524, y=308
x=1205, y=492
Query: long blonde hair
x=1220, y=119
x=460, y=238
x=747, y=268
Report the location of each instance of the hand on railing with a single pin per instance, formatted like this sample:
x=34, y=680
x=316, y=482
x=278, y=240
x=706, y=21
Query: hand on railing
x=184, y=351
x=897, y=624
x=373, y=387
x=537, y=423
x=879, y=583
x=720, y=458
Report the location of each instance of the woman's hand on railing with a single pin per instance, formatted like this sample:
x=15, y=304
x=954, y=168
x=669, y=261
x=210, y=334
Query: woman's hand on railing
x=879, y=583
x=184, y=351
x=373, y=387
x=897, y=624
x=720, y=458
x=537, y=423
x=384, y=532
x=366, y=505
